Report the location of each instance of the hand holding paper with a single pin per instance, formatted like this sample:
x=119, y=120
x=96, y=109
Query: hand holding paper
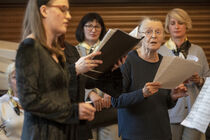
x=174, y=71
x=199, y=116
x=179, y=92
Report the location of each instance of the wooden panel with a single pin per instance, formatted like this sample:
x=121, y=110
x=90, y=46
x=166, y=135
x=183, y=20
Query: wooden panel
x=123, y=16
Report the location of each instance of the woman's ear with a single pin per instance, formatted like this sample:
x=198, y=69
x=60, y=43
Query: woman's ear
x=43, y=11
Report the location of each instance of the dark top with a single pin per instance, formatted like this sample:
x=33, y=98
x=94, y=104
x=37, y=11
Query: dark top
x=43, y=92
x=110, y=82
x=142, y=118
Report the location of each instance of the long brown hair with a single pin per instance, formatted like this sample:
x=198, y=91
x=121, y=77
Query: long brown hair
x=32, y=24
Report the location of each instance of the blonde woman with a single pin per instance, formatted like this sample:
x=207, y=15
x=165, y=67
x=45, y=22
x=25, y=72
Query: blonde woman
x=178, y=23
x=11, y=113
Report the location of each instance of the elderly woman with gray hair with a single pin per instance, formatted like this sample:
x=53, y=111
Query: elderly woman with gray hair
x=143, y=105
x=177, y=23
x=11, y=113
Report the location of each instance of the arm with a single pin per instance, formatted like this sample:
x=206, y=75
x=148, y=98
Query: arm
x=199, y=78
x=128, y=99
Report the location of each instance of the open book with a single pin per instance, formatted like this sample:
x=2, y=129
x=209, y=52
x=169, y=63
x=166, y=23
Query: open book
x=114, y=45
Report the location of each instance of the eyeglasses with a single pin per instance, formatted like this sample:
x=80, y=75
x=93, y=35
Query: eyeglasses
x=63, y=9
x=90, y=27
x=150, y=32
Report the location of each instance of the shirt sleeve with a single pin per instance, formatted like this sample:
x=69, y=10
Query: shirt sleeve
x=127, y=98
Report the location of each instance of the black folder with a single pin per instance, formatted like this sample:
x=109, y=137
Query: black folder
x=114, y=45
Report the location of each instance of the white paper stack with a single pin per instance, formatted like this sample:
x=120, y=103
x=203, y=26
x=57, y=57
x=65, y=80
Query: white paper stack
x=199, y=116
x=7, y=56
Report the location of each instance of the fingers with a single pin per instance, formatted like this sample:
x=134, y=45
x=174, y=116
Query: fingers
x=92, y=55
x=151, y=88
x=86, y=111
x=98, y=105
x=179, y=91
x=107, y=101
x=119, y=63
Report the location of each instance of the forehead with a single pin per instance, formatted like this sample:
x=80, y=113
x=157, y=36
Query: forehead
x=93, y=22
x=152, y=25
x=60, y=2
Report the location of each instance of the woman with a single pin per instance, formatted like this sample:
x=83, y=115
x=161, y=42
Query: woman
x=90, y=31
x=11, y=113
x=42, y=76
x=143, y=106
x=177, y=23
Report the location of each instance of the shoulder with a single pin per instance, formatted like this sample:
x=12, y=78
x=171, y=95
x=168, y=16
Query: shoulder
x=196, y=47
x=130, y=59
x=26, y=45
x=132, y=54
x=29, y=42
x=4, y=98
x=163, y=50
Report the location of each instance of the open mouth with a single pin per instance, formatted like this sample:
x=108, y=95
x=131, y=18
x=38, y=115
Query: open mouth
x=153, y=42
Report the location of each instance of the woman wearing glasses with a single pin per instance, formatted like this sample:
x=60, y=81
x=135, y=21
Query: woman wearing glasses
x=90, y=31
x=143, y=105
x=42, y=76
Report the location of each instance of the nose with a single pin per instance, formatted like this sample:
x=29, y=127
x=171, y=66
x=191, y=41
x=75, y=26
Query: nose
x=176, y=25
x=153, y=34
x=94, y=29
x=68, y=15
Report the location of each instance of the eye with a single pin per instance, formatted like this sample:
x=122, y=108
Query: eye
x=64, y=9
x=172, y=23
x=148, y=32
x=158, y=32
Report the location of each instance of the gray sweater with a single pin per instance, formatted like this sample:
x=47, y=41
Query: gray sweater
x=184, y=104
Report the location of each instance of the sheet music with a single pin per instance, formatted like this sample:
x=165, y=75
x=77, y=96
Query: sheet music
x=199, y=116
x=174, y=71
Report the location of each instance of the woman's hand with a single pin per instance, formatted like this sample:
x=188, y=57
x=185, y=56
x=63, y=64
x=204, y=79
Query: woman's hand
x=197, y=79
x=106, y=101
x=150, y=88
x=178, y=92
x=85, y=63
x=97, y=100
x=119, y=63
x=86, y=111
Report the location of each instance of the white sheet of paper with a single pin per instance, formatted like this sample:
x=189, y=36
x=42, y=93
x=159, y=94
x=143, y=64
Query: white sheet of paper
x=174, y=71
x=199, y=116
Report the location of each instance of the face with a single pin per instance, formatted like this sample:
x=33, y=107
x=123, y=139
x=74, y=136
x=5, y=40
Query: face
x=92, y=31
x=177, y=29
x=13, y=82
x=57, y=16
x=153, y=32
